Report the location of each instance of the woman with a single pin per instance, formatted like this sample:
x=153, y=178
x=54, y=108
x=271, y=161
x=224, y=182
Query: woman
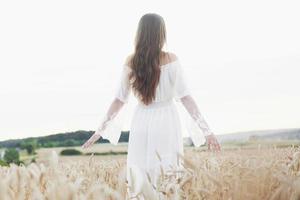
x=156, y=79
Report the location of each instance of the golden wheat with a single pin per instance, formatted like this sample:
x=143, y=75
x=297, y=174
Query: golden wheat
x=243, y=174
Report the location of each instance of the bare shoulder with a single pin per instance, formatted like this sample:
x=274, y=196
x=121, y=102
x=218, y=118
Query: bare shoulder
x=170, y=57
x=173, y=56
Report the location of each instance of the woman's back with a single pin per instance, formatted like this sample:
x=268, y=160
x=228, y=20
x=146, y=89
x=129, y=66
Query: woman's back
x=171, y=82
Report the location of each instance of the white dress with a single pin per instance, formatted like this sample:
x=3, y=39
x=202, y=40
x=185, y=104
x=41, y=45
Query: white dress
x=156, y=128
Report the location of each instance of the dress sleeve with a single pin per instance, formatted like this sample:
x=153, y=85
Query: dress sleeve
x=124, y=89
x=196, y=124
x=194, y=121
x=181, y=86
x=111, y=125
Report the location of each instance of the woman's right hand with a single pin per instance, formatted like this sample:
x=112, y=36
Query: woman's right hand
x=212, y=143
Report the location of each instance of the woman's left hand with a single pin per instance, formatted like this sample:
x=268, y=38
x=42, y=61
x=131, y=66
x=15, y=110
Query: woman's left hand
x=96, y=136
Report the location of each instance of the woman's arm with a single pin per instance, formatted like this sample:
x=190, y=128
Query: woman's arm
x=192, y=108
x=121, y=97
x=113, y=110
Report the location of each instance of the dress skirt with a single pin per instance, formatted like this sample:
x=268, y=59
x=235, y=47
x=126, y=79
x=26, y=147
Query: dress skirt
x=155, y=139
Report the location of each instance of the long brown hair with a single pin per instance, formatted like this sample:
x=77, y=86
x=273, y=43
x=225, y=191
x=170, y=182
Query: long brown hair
x=145, y=62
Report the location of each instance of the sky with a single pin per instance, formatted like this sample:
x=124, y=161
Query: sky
x=61, y=60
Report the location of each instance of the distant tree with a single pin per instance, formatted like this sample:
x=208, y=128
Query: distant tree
x=12, y=156
x=124, y=136
x=76, y=138
x=69, y=143
x=48, y=144
x=70, y=152
x=3, y=163
x=29, y=145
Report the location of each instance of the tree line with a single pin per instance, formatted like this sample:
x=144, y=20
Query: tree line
x=66, y=139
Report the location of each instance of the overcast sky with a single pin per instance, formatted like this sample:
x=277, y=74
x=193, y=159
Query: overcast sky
x=60, y=61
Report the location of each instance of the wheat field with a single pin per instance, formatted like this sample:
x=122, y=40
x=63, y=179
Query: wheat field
x=261, y=173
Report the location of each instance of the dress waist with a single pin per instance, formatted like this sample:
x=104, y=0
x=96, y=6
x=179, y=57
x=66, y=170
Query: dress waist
x=157, y=104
